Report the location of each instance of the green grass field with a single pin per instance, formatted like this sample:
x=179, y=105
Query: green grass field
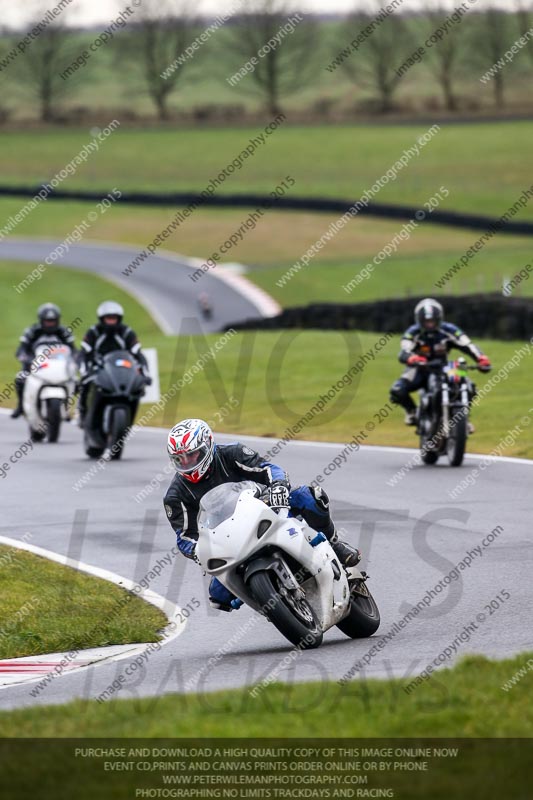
x=482, y=165
x=280, y=240
x=466, y=701
x=313, y=361
x=34, y=593
x=341, y=161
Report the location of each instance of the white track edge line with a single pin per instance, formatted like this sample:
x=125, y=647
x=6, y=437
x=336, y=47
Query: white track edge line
x=380, y=448
x=169, y=609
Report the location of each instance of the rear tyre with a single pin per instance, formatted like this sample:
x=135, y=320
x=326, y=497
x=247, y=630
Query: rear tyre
x=457, y=442
x=363, y=618
x=119, y=426
x=53, y=418
x=295, y=619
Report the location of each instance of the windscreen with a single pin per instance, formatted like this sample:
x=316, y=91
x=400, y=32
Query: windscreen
x=51, y=350
x=219, y=504
x=58, y=352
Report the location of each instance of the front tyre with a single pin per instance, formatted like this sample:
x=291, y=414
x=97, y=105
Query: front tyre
x=53, y=419
x=457, y=441
x=117, y=435
x=363, y=617
x=294, y=618
x=428, y=450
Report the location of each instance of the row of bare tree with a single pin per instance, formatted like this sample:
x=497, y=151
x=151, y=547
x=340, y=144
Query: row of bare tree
x=142, y=52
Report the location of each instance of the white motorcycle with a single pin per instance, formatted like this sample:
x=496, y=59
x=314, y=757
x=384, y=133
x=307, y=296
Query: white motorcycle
x=48, y=390
x=281, y=567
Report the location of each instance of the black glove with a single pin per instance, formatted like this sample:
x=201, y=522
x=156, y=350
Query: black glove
x=147, y=380
x=277, y=496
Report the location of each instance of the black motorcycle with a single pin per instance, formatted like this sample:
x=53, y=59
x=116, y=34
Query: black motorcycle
x=116, y=387
x=443, y=411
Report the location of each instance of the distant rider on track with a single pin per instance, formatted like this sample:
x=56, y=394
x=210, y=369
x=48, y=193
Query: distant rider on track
x=47, y=330
x=430, y=338
x=108, y=335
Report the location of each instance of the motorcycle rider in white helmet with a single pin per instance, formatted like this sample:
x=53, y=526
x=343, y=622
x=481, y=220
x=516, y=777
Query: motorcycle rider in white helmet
x=109, y=334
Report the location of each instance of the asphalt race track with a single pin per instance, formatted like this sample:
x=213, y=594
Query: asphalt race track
x=162, y=283
x=411, y=536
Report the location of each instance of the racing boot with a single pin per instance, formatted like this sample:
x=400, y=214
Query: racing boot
x=19, y=386
x=348, y=555
x=82, y=390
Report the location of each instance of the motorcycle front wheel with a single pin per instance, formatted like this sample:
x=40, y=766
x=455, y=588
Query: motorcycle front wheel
x=428, y=454
x=53, y=419
x=456, y=445
x=294, y=618
x=119, y=427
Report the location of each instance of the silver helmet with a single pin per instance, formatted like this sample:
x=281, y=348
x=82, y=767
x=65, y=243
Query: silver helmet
x=110, y=309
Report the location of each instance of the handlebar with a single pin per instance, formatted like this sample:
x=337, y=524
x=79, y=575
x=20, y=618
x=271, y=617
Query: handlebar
x=437, y=363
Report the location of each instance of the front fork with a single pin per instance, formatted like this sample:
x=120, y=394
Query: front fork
x=465, y=404
x=445, y=410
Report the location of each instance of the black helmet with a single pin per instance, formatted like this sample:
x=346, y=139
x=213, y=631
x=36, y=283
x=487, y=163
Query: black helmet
x=49, y=316
x=429, y=314
x=110, y=309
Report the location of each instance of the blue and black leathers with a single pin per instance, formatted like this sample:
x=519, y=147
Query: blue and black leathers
x=431, y=344
x=236, y=462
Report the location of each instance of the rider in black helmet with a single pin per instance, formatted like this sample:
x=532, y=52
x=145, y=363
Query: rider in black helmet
x=47, y=330
x=428, y=339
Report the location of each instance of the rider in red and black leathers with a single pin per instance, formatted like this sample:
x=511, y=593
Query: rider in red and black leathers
x=236, y=462
x=47, y=330
x=429, y=339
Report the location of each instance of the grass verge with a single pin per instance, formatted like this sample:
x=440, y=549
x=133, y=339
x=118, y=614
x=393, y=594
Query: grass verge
x=47, y=608
x=467, y=701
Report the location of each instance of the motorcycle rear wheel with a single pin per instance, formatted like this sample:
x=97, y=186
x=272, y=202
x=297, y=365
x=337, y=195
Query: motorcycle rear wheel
x=363, y=618
x=295, y=620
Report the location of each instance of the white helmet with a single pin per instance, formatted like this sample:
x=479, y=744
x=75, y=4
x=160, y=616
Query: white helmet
x=191, y=448
x=109, y=309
